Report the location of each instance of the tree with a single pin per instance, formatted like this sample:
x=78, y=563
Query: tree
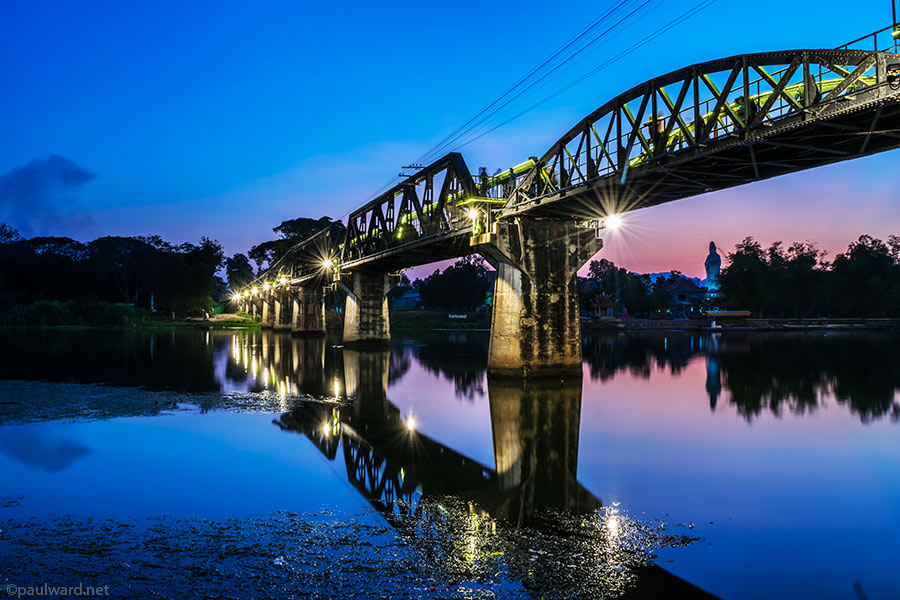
x=8, y=234
x=742, y=280
x=631, y=290
x=294, y=231
x=126, y=266
x=238, y=271
x=807, y=269
x=866, y=279
x=462, y=285
x=862, y=282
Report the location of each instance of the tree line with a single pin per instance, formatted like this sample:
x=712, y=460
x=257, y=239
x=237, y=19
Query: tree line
x=797, y=281
x=461, y=286
x=138, y=271
x=778, y=281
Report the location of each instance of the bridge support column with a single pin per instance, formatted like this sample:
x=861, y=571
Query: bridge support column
x=308, y=316
x=366, y=320
x=535, y=331
x=268, y=311
x=282, y=311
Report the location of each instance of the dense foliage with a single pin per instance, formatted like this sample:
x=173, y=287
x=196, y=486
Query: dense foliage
x=864, y=281
x=238, y=271
x=637, y=294
x=292, y=232
x=462, y=285
x=132, y=270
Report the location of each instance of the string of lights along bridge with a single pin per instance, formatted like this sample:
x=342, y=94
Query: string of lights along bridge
x=704, y=127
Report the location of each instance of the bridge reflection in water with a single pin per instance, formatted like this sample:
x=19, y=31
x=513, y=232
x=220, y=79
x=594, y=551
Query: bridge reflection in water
x=527, y=513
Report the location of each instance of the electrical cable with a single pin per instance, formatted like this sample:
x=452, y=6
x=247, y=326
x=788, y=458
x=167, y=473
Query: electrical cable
x=524, y=78
x=594, y=71
x=543, y=77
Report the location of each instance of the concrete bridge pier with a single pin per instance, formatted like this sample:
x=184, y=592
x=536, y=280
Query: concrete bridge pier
x=308, y=312
x=255, y=308
x=283, y=305
x=535, y=331
x=366, y=320
x=268, y=311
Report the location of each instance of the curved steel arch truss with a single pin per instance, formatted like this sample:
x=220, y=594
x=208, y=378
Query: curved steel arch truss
x=716, y=125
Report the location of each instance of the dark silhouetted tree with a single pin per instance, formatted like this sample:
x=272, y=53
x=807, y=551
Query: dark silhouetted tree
x=462, y=285
x=238, y=270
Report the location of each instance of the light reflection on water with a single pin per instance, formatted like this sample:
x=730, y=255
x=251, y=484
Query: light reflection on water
x=736, y=439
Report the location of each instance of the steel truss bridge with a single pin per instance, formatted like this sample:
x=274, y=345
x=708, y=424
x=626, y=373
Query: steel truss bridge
x=705, y=127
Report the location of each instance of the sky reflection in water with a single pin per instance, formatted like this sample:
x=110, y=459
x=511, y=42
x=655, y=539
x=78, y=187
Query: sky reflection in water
x=779, y=451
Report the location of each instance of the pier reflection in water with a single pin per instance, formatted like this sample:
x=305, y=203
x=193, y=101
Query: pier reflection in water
x=526, y=515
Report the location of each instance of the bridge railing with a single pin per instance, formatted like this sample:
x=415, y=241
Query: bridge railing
x=883, y=40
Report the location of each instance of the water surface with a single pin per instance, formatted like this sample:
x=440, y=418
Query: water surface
x=247, y=464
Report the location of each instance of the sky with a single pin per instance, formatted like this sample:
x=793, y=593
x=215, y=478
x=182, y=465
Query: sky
x=222, y=119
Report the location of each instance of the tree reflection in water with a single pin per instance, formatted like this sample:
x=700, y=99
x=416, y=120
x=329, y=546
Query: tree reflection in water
x=759, y=372
x=460, y=357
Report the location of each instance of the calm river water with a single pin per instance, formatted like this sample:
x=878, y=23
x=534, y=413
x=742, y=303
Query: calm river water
x=242, y=464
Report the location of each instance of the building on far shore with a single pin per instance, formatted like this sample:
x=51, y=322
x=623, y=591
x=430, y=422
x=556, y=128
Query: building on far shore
x=687, y=296
x=408, y=300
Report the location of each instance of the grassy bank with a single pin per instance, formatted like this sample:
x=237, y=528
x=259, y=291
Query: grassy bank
x=79, y=314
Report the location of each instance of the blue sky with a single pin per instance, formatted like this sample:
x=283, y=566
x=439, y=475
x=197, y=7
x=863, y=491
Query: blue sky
x=223, y=119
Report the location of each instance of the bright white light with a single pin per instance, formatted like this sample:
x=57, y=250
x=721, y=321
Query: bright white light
x=266, y=287
x=612, y=222
x=336, y=387
x=283, y=280
x=411, y=423
x=472, y=213
x=612, y=525
x=326, y=430
x=327, y=263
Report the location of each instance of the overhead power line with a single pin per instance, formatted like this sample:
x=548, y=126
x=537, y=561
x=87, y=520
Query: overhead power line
x=622, y=16
x=542, y=71
x=677, y=21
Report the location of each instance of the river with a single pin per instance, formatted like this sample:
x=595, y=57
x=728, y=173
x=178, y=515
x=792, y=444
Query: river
x=241, y=464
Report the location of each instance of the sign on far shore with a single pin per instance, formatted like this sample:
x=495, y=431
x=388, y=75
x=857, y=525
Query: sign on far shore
x=453, y=316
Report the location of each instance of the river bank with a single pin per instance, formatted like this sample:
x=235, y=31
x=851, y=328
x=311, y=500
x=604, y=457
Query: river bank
x=131, y=320
x=442, y=320
x=739, y=324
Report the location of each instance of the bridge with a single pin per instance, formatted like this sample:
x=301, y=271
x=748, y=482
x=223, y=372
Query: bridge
x=705, y=127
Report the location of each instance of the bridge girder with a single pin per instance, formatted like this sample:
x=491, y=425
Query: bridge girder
x=422, y=206
x=726, y=122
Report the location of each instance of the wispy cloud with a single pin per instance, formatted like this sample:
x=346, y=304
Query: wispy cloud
x=39, y=198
